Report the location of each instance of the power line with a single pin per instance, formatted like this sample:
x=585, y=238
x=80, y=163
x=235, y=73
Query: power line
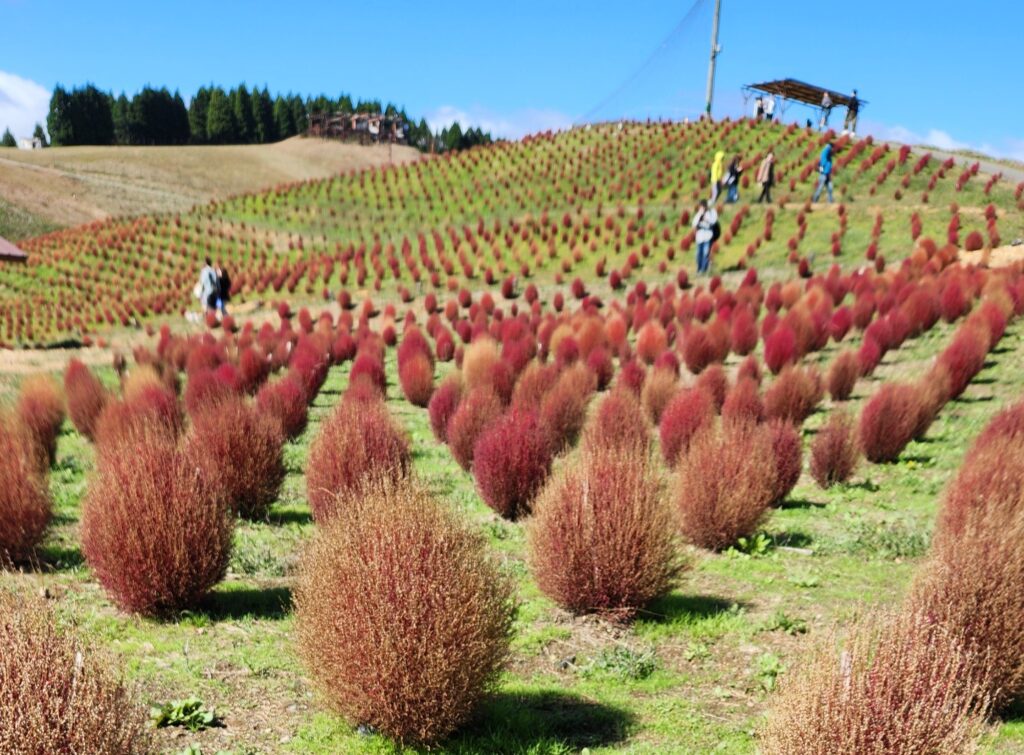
x=665, y=45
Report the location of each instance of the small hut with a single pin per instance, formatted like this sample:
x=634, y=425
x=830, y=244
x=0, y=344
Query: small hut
x=10, y=253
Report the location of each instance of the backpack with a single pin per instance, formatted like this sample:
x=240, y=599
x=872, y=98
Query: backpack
x=716, y=231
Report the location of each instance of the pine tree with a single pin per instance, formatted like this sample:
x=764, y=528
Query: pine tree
x=58, y=121
x=299, y=115
x=284, y=121
x=220, y=119
x=120, y=112
x=39, y=134
x=198, y=108
x=263, y=116
x=7, y=140
x=244, y=123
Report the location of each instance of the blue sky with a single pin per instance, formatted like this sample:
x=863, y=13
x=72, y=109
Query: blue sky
x=933, y=71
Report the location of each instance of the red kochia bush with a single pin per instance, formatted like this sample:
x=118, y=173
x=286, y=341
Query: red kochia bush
x=690, y=411
x=59, y=695
x=443, y=404
x=780, y=348
x=511, y=461
x=651, y=341
x=241, y=450
x=285, y=401
x=834, y=452
x=843, y=374
x=894, y=684
x=743, y=403
x=25, y=507
x=358, y=445
x=564, y=408
x=659, y=389
x=724, y=484
x=204, y=387
x=794, y=394
x=403, y=618
x=151, y=407
x=40, y=410
x=788, y=453
x=963, y=359
x=888, y=421
x=475, y=412
x=602, y=538
x=619, y=423
x=416, y=374
x=85, y=395
x=154, y=530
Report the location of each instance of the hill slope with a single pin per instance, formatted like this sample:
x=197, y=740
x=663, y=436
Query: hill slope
x=602, y=202
x=64, y=186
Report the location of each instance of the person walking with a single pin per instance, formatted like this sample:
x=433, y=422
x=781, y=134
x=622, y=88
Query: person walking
x=758, y=108
x=824, y=173
x=717, y=173
x=826, y=110
x=769, y=108
x=705, y=225
x=223, y=290
x=732, y=180
x=852, y=110
x=766, y=177
x=206, y=288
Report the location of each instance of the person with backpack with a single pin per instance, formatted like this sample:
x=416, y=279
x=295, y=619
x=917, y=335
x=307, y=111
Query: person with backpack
x=223, y=290
x=206, y=288
x=717, y=173
x=824, y=173
x=706, y=232
x=766, y=177
x=732, y=180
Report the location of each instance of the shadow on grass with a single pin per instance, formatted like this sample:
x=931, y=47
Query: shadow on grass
x=791, y=539
x=916, y=458
x=59, y=557
x=676, y=606
x=801, y=503
x=289, y=516
x=547, y=720
x=866, y=485
x=975, y=399
x=248, y=603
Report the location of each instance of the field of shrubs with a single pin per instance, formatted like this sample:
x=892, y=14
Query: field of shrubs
x=612, y=507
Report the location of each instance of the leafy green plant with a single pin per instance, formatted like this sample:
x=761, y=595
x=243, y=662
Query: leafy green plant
x=781, y=622
x=190, y=713
x=624, y=662
x=755, y=546
x=696, y=651
x=769, y=666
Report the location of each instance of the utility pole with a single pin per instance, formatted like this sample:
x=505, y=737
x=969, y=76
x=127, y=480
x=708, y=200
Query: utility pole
x=715, y=49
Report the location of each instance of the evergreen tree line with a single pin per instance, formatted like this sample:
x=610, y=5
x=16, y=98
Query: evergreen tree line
x=86, y=115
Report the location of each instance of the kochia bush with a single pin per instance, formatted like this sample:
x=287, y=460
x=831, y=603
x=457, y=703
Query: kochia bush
x=601, y=539
x=888, y=421
x=688, y=413
x=511, y=461
x=86, y=397
x=835, y=450
x=413, y=663
x=618, y=423
x=40, y=409
x=25, y=506
x=155, y=532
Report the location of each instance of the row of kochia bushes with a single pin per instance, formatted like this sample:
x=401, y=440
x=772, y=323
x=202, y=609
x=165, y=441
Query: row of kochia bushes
x=165, y=494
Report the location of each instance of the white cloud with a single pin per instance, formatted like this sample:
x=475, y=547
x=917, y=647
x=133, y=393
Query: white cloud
x=23, y=104
x=1011, y=148
x=513, y=125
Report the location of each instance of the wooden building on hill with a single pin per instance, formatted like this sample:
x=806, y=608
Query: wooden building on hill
x=10, y=253
x=366, y=128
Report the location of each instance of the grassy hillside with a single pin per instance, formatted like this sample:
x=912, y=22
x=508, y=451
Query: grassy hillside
x=587, y=203
x=66, y=186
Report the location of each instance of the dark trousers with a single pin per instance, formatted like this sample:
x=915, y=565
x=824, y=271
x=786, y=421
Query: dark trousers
x=766, y=193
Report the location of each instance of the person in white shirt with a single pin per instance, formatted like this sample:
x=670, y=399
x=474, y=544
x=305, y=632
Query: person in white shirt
x=826, y=110
x=705, y=225
x=769, y=108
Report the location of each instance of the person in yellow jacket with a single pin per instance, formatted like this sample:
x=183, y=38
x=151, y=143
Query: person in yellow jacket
x=717, y=173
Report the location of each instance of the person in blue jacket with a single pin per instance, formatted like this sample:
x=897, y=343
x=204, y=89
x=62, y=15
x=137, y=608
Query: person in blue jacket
x=824, y=173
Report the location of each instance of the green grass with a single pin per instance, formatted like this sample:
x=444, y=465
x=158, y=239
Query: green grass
x=17, y=223
x=691, y=675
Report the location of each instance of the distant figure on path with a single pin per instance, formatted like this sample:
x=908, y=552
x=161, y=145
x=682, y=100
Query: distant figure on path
x=826, y=110
x=717, y=173
x=850, y=124
x=206, y=289
x=766, y=177
x=758, y=108
x=824, y=173
x=705, y=224
x=732, y=180
x=769, y=108
x=223, y=289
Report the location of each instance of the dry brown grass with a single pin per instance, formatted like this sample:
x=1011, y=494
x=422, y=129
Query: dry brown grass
x=894, y=685
x=56, y=694
x=403, y=618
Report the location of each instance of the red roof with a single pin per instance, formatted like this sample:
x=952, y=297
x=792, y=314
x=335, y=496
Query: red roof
x=9, y=251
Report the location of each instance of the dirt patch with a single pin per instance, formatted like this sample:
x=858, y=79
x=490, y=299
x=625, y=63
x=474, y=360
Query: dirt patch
x=1002, y=256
